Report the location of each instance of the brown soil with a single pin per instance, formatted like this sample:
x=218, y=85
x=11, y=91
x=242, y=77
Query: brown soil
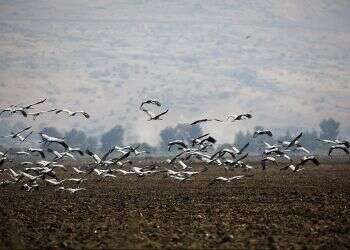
x=271, y=210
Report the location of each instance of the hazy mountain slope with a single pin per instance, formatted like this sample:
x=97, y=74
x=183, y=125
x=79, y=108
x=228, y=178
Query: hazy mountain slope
x=107, y=56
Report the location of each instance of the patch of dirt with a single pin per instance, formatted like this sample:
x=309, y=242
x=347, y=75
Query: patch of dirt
x=270, y=210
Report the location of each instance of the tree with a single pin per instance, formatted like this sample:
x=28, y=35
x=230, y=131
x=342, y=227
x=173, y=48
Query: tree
x=255, y=144
x=308, y=140
x=144, y=146
x=4, y=130
x=240, y=139
x=181, y=131
x=113, y=137
x=77, y=138
x=329, y=129
x=166, y=135
x=187, y=132
x=223, y=146
x=91, y=143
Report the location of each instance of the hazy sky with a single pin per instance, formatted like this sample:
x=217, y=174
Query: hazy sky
x=194, y=56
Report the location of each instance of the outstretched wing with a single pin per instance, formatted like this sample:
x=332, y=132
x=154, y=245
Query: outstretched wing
x=36, y=103
x=199, y=121
x=243, y=148
x=161, y=114
x=23, y=130
x=149, y=113
x=295, y=139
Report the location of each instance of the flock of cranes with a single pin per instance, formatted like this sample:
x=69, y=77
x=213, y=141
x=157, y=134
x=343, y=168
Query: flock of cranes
x=25, y=110
x=32, y=173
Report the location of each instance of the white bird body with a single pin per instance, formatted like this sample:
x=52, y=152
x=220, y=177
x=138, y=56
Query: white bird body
x=327, y=141
x=189, y=173
x=78, y=180
x=55, y=182
x=37, y=150
x=20, y=110
x=96, y=158
x=108, y=175
x=153, y=116
x=100, y=171
x=30, y=177
x=35, y=169
x=13, y=174
x=198, y=139
x=233, y=162
x=301, y=148
x=262, y=132
x=309, y=158
x=180, y=143
x=266, y=159
x=141, y=172
x=137, y=152
x=50, y=139
x=71, y=113
x=178, y=178
x=122, y=163
x=343, y=142
x=36, y=114
x=59, y=156
x=171, y=172
x=150, y=101
x=26, y=163
x=269, y=146
x=45, y=163
x=71, y=190
x=339, y=146
x=137, y=170
x=200, y=155
x=205, y=120
x=46, y=170
x=74, y=150
x=226, y=179
x=337, y=141
x=6, y=183
x=18, y=134
x=22, y=153
x=124, y=172
x=78, y=171
x=293, y=142
x=240, y=151
x=239, y=117
x=22, y=139
x=29, y=187
x=222, y=153
x=103, y=160
x=292, y=167
x=59, y=166
x=9, y=109
x=182, y=164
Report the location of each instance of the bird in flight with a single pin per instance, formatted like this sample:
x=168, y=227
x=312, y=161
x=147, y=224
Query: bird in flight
x=239, y=117
x=340, y=146
x=18, y=134
x=153, y=116
x=205, y=120
x=262, y=132
x=70, y=113
x=154, y=102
